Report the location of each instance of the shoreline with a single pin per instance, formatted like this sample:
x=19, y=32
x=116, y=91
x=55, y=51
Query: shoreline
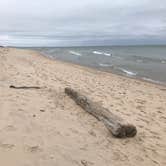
x=45, y=127
x=162, y=84
x=144, y=66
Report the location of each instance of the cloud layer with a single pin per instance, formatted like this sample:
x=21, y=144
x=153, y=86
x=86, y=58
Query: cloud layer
x=95, y=22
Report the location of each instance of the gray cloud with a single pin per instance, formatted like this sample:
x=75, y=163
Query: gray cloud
x=54, y=22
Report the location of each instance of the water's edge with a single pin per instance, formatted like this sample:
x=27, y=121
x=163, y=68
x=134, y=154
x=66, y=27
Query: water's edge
x=140, y=62
x=107, y=71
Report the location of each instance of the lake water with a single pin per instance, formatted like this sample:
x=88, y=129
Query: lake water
x=145, y=62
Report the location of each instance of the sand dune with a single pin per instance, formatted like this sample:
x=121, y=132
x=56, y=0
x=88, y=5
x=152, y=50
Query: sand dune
x=45, y=127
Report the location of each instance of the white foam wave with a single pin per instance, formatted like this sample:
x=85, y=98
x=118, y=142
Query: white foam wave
x=101, y=53
x=107, y=54
x=151, y=80
x=128, y=72
x=75, y=53
x=105, y=65
x=97, y=52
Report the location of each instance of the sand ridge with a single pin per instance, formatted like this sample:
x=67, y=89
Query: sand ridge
x=45, y=127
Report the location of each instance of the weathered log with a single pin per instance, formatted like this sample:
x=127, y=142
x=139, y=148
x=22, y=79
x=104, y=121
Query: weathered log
x=114, y=124
x=24, y=87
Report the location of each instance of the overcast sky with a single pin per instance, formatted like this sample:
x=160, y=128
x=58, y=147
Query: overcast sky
x=82, y=22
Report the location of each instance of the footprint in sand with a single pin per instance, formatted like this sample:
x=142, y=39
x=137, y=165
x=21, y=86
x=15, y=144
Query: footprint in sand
x=33, y=149
x=10, y=128
x=140, y=101
x=91, y=132
x=6, y=146
x=160, y=109
x=86, y=163
x=42, y=110
x=140, y=107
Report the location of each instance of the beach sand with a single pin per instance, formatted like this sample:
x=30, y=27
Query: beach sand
x=44, y=127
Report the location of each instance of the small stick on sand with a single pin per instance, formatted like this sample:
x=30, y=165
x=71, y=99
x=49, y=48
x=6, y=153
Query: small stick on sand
x=24, y=87
x=113, y=123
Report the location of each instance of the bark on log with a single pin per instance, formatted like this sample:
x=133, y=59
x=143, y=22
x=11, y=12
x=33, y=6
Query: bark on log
x=114, y=124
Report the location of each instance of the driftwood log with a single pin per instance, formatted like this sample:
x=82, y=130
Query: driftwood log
x=24, y=87
x=114, y=124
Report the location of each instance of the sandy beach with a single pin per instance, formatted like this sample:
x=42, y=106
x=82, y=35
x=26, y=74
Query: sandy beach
x=44, y=127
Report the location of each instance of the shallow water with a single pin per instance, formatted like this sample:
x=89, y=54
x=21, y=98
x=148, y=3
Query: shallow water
x=145, y=62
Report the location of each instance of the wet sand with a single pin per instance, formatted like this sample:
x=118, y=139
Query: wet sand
x=45, y=127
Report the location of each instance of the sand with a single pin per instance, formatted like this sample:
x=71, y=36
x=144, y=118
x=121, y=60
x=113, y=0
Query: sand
x=44, y=127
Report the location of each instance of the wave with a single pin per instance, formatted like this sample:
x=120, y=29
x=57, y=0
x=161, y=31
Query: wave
x=151, y=80
x=97, y=52
x=105, y=65
x=163, y=61
x=101, y=53
x=128, y=72
x=75, y=53
x=141, y=59
x=107, y=54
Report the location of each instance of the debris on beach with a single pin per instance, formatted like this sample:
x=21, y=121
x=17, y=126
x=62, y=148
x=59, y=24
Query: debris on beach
x=24, y=87
x=114, y=124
